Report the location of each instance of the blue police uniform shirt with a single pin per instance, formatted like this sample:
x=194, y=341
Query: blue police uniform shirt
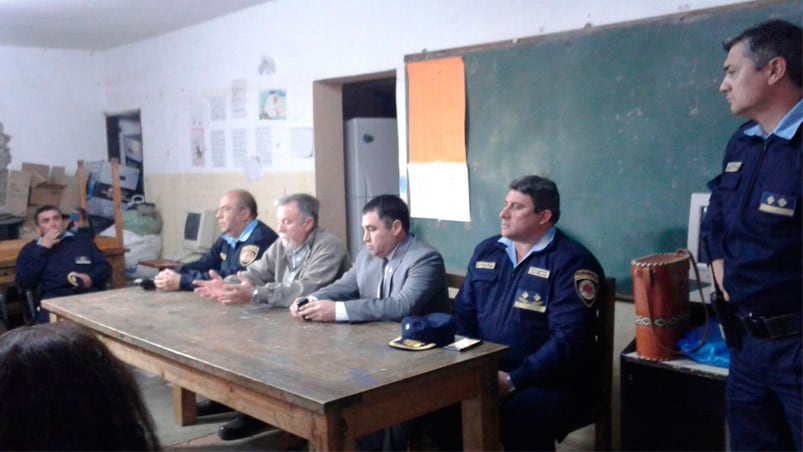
x=753, y=220
x=229, y=255
x=541, y=308
x=49, y=268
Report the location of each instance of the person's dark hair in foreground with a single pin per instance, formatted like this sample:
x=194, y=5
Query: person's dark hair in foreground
x=61, y=388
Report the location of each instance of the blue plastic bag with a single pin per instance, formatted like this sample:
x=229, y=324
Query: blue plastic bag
x=714, y=352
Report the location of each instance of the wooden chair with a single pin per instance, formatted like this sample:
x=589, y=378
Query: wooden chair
x=33, y=299
x=16, y=304
x=454, y=281
x=600, y=414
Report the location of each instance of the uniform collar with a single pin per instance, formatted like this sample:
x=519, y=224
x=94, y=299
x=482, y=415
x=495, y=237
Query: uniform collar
x=66, y=235
x=541, y=244
x=785, y=129
x=244, y=236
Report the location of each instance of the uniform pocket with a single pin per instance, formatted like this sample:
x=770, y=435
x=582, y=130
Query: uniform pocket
x=730, y=181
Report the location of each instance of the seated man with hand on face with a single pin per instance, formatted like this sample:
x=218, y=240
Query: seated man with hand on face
x=534, y=289
x=243, y=241
x=305, y=259
x=395, y=275
x=59, y=262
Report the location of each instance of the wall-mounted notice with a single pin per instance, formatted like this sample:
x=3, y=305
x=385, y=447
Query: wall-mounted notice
x=217, y=108
x=303, y=143
x=273, y=104
x=238, y=89
x=217, y=146
x=264, y=146
x=437, y=169
x=239, y=146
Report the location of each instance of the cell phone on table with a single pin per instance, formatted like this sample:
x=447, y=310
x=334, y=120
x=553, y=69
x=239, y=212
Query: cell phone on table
x=302, y=302
x=463, y=344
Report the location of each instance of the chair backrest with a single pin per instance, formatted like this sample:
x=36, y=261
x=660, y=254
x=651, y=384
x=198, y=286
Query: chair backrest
x=454, y=281
x=33, y=299
x=604, y=354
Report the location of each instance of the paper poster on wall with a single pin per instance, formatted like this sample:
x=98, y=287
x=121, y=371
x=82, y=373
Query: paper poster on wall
x=238, y=90
x=273, y=104
x=303, y=143
x=239, y=146
x=198, y=148
x=217, y=147
x=437, y=110
x=437, y=169
x=253, y=168
x=264, y=146
x=217, y=108
x=439, y=191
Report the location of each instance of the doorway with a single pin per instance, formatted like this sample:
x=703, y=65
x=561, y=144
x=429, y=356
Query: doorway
x=124, y=141
x=334, y=102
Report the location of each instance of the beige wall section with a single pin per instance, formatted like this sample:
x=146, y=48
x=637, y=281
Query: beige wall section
x=330, y=170
x=175, y=193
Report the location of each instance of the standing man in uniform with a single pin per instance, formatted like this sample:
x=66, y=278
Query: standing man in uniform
x=304, y=259
x=753, y=232
x=59, y=262
x=243, y=241
x=534, y=289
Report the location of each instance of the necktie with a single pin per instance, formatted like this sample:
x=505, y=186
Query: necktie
x=380, y=289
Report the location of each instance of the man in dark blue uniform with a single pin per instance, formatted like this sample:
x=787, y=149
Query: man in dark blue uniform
x=534, y=289
x=60, y=263
x=753, y=232
x=243, y=241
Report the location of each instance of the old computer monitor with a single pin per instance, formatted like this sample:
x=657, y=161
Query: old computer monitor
x=697, y=210
x=200, y=230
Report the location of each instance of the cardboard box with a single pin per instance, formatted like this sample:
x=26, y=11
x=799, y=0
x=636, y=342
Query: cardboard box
x=70, y=197
x=46, y=194
x=28, y=230
x=39, y=173
x=17, y=192
x=58, y=175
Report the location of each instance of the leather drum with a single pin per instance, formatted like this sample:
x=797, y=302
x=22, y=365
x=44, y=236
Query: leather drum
x=661, y=298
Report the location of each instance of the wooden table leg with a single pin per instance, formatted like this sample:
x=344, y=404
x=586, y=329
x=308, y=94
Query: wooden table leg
x=184, y=406
x=481, y=414
x=331, y=432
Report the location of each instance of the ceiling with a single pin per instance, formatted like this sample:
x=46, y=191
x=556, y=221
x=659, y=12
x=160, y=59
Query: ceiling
x=103, y=24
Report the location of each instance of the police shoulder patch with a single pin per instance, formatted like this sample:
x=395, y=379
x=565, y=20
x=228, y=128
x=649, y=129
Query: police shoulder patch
x=586, y=283
x=248, y=254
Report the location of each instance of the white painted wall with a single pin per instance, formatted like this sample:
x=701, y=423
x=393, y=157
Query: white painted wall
x=172, y=77
x=51, y=103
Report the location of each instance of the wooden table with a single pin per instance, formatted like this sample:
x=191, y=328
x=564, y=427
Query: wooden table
x=115, y=254
x=329, y=383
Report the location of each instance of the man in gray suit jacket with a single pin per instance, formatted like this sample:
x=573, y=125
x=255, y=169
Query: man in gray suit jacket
x=394, y=275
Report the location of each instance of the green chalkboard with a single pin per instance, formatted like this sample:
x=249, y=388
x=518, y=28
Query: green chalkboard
x=627, y=120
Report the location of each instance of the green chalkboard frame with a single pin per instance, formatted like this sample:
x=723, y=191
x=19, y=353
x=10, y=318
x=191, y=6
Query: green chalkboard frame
x=626, y=119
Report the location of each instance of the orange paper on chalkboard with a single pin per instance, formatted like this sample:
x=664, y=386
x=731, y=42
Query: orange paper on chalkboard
x=437, y=111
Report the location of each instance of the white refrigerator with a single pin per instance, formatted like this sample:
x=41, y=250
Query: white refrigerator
x=372, y=168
